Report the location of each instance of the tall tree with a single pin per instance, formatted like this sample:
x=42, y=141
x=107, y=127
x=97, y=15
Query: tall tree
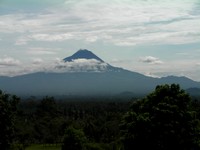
x=162, y=120
x=47, y=107
x=8, y=108
x=74, y=139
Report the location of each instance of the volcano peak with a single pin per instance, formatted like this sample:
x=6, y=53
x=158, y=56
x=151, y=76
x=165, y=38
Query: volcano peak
x=82, y=54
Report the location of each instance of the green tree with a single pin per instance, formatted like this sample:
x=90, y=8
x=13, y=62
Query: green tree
x=8, y=108
x=47, y=107
x=74, y=139
x=162, y=120
x=49, y=121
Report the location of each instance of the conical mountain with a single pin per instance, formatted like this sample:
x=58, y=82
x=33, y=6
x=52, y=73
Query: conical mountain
x=84, y=73
x=82, y=54
x=83, y=61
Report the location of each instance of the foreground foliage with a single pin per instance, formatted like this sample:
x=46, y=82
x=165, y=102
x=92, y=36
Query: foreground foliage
x=163, y=120
x=8, y=107
x=74, y=139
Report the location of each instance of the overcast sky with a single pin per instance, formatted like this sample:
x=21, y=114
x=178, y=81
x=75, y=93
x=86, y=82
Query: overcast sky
x=154, y=37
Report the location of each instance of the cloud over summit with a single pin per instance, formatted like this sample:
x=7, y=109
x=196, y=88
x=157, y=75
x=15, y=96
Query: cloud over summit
x=80, y=65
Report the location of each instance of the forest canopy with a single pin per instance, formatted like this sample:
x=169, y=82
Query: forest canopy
x=167, y=118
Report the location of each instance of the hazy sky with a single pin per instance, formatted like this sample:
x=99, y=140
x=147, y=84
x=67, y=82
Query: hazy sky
x=153, y=37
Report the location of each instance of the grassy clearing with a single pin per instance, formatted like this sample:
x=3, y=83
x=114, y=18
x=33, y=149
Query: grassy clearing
x=42, y=147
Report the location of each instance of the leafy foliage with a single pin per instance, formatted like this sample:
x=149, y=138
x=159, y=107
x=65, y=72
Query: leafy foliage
x=8, y=107
x=163, y=120
x=74, y=139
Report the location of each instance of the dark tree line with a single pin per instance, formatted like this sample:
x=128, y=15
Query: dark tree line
x=8, y=108
x=165, y=119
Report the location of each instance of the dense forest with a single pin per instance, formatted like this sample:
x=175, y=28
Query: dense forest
x=167, y=118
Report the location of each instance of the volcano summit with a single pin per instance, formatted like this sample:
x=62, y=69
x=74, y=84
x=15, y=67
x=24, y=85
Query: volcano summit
x=85, y=61
x=83, y=54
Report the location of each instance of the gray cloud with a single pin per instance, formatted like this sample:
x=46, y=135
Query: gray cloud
x=9, y=61
x=21, y=41
x=79, y=65
x=123, y=23
x=52, y=37
x=198, y=64
x=151, y=60
x=42, y=51
x=37, y=61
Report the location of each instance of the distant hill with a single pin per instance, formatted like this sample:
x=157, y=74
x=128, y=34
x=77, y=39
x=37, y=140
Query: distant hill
x=194, y=91
x=92, y=77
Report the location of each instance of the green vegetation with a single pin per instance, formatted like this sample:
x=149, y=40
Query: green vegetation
x=74, y=139
x=8, y=109
x=48, y=121
x=165, y=119
x=42, y=147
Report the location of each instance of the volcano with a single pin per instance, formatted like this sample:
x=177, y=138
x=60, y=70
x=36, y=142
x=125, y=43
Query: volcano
x=86, y=61
x=85, y=74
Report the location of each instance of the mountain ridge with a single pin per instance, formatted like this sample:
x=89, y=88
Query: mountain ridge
x=111, y=81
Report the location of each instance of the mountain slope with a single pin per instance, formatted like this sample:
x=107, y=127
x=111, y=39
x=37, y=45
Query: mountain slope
x=184, y=81
x=108, y=82
x=193, y=91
